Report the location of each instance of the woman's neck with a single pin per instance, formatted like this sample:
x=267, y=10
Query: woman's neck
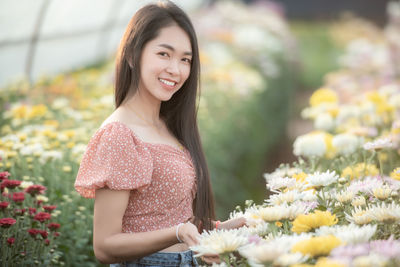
x=145, y=106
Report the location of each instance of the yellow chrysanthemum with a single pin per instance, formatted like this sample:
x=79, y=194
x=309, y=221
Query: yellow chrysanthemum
x=382, y=193
x=301, y=177
x=380, y=102
x=305, y=223
x=323, y=95
x=325, y=262
x=20, y=112
x=395, y=174
x=317, y=246
x=360, y=170
x=37, y=111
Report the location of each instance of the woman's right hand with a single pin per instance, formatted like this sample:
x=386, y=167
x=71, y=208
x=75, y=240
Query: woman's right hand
x=189, y=234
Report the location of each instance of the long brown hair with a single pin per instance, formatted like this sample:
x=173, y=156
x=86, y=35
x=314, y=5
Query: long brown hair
x=180, y=112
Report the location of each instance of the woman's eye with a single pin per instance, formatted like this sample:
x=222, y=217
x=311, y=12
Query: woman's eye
x=188, y=60
x=163, y=54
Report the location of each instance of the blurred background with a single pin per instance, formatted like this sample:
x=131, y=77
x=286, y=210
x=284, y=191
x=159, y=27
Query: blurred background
x=261, y=61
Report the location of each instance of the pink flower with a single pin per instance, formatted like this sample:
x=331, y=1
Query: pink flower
x=18, y=196
x=33, y=232
x=19, y=211
x=32, y=211
x=4, y=175
x=42, y=216
x=47, y=242
x=35, y=189
x=53, y=226
x=49, y=208
x=10, y=240
x=43, y=233
x=7, y=222
x=10, y=183
x=4, y=205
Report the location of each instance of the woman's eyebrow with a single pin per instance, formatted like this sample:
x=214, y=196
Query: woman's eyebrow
x=188, y=53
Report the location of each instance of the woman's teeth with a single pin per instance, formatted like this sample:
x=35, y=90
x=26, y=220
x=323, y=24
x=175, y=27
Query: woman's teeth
x=167, y=82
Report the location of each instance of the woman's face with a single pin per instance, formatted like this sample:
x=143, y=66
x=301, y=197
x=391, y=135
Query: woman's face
x=165, y=63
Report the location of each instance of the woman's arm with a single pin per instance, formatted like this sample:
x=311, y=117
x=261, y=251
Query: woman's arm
x=111, y=245
x=232, y=223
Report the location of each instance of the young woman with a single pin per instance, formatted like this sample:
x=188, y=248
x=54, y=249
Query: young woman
x=145, y=166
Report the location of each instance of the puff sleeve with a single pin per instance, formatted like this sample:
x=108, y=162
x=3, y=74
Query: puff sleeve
x=116, y=159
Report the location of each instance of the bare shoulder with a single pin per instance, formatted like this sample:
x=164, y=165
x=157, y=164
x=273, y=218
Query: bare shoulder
x=122, y=115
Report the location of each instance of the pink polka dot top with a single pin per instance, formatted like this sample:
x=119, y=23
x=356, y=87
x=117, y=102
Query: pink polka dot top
x=160, y=177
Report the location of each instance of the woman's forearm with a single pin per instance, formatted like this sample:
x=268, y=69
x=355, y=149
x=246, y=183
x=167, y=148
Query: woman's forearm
x=128, y=246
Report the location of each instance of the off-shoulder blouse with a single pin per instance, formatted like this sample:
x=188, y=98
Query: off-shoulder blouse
x=160, y=177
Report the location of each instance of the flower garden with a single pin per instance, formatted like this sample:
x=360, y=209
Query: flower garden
x=338, y=205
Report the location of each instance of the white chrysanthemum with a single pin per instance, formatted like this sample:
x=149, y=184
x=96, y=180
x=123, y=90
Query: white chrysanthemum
x=32, y=149
x=309, y=196
x=279, y=183
x=290, y=259
x=359, y=201
x=60, y=103
x=379, y=143
x=383, y=212
x=346, y=143
x=324, y=121
x=344, y=196
x=220, y=241
x=259, y=255
x=359, y=216
x=322, y=179
x=25, y=184
x=366, y=185
x=381, y=193
x=52, y=154
x=347, y=112
x=370, y=260
x=272, y=213
x=310, y=145
x=251, y=215
x=349, y=234
x=282, y=198
x=260, y=229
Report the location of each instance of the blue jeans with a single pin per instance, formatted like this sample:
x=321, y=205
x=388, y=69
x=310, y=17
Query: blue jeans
x=181, y=259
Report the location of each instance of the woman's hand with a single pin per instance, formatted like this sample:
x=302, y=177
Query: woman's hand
x=189, y=234
x=233, y=223
x=210, y=259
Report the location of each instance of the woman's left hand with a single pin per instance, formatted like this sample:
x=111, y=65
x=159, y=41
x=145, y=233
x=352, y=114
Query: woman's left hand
x=232, y=223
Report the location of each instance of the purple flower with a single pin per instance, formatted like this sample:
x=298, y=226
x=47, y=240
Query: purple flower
x=389, y=248
x=350, y=251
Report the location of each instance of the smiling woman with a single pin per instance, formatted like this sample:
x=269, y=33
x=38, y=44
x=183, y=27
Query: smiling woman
x=145, y=165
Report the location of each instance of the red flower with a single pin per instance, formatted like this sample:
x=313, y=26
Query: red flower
x=33, y=232
x=18, y=196
x=4, y=175
x=42, y=216
x=56, y=234
x=53, y=226
x=4, y=205
x=7, y=222
x=32, y=211
x=49, y=208
x=43, y=233
x=19, y=211
x=35, y=189
x=10, y=240
x=47, y=242
x=10, y=183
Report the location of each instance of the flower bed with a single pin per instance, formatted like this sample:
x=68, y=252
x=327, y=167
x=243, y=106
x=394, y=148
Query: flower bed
x=339, y=204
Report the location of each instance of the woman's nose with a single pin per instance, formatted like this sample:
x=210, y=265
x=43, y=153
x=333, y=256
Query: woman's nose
x=173, y=67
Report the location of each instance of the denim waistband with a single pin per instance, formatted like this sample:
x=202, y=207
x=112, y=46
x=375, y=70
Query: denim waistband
x=182, y=259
